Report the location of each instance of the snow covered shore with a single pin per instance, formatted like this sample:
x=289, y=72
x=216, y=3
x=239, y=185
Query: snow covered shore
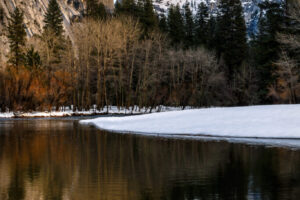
x=274, y=121
x=68, y=112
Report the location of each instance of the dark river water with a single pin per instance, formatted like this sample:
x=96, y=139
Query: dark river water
x=60, y=159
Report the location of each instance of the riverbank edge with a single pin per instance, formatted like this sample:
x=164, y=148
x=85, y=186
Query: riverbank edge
x=263, y=121
x=51, y=115
x=112, y=110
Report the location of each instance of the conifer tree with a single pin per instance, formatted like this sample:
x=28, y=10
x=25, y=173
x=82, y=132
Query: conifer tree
x=202, y=24
x=32, y=59
x=267, y=48
x=139, y=10
x=53, y=35
x=149, y=18
x=188, y=26
x=102, y=14
x=118, y=8
x=91, y=8
x=163, y=26
x=53, y=19
x=232, y=35
x=211, y=33
x=218, y=40
x=96, y=10
x=16, y=36
x=176, y=25
x=129, y=7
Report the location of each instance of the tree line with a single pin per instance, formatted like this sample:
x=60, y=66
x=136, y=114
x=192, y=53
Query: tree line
x=135, y=57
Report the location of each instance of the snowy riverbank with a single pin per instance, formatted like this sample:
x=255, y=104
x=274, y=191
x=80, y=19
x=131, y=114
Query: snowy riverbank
x=66, y=112
x=274, y=121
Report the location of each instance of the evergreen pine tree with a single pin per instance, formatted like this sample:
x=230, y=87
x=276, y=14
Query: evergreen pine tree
x=218, y=39
x=129, y=7
x=53, y=34
x=149, y=19
x=118, y=8
x=32, y=59
x=16, y=36
x=163, y=26
x=96, y=10
x=101, y=10
x=91, y=8
x=267, y=47
x=176, y=25
x=139, y=10
x=232, y=35
x=211, y=33
x=202, y=24
x=53, y=19
x=188, y=26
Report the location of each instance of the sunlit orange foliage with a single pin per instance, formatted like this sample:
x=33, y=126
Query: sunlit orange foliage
x=60, y=89
x=17, y=82
x=36, y=89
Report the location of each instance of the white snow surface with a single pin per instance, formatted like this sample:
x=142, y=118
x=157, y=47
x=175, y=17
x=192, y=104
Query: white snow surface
x=67, y=111
x=273, y=121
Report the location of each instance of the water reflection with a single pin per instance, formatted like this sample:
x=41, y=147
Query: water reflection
x=54, y=159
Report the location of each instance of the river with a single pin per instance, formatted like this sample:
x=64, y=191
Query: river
x=61, y=159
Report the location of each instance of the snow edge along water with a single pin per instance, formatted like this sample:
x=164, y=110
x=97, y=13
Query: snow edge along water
x=68, y=112
x=261, y=122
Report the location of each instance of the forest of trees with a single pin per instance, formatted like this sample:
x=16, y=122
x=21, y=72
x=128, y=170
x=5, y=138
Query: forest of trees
x=135, y=57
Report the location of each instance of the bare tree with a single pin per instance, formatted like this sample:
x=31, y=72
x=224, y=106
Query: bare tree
x=288, y=84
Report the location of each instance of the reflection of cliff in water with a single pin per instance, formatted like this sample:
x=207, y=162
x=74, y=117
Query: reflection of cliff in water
x=56, y=160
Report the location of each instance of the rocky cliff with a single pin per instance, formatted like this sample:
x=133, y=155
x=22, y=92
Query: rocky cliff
x=34, y=11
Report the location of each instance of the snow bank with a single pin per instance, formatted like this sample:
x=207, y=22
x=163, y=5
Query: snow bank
x=6, y=115
x=275, y=121
x=69, y=112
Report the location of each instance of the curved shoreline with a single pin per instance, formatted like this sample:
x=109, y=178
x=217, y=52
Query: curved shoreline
x=111, y=110
x=261, y=122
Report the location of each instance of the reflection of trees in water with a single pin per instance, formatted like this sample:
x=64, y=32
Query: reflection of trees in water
x=87, y=164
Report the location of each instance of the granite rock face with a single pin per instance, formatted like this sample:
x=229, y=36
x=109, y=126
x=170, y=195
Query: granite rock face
x=34, y=11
